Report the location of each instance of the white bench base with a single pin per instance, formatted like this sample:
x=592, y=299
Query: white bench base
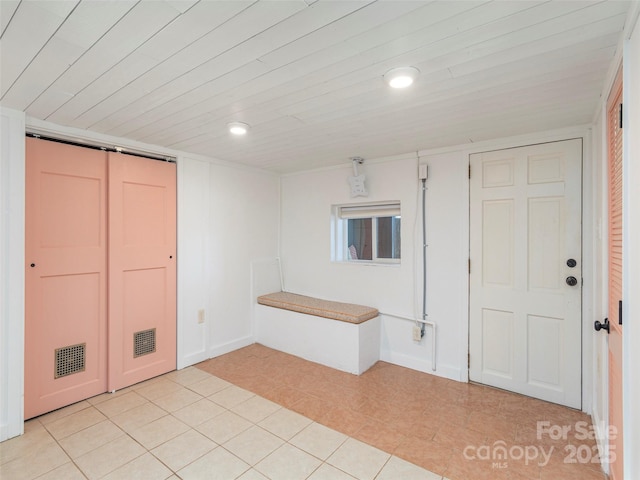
x=349, y=347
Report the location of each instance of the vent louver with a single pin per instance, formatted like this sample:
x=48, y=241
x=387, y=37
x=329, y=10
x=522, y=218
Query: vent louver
x=144, y=342
x=69, y=360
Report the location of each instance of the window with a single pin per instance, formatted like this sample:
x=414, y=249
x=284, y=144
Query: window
x=367, y=233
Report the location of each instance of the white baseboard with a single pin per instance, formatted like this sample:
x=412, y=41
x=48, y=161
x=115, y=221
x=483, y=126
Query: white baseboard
x=221, y=349
x=192, y=359
x=600, y=426
x=10, y=430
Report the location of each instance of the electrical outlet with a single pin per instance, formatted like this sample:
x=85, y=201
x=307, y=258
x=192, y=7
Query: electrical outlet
x=201, y=315
x=417, y=333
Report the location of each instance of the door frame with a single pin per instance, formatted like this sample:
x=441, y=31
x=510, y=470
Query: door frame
x=12, y=258
x=582, y=262
x=590, y=205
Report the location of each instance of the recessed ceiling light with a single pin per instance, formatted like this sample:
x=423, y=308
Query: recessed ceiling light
x=238, y=128
x=401, y=77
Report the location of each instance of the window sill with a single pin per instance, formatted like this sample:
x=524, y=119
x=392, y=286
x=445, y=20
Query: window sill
x=367, y=263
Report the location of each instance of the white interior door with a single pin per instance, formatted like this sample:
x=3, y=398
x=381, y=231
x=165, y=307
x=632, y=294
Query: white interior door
x=525, y=248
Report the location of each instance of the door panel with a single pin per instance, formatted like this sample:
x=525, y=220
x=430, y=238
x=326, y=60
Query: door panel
x=142, y=266
x=544, y=347
x=545, y=241
x=66, y=324
x=497, y=242
x=497, y=327
x=525, y=320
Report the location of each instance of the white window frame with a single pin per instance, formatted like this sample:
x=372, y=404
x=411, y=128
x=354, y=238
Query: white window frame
x=341, y=214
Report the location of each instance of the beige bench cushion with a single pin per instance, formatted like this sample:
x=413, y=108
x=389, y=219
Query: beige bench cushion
x=345, y=312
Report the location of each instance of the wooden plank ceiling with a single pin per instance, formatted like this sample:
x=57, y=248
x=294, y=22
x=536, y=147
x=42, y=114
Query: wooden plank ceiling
x=306, y=75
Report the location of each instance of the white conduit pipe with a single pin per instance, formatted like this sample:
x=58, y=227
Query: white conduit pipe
x=424, y=322
x=280, y=273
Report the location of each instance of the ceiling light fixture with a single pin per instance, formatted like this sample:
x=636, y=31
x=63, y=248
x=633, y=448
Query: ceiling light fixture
x=238, y=128
x=401, y=77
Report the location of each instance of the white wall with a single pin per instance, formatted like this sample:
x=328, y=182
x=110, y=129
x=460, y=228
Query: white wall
x=227, y=217
x=306, y=239
x=447, y=213
x=244, y=228
x=306, y=253
x=11, y=272
x=597, y=179
x=306, y=233
x=193, y=260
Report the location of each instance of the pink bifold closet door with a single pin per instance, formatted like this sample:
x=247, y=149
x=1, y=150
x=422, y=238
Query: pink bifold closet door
x=66, y=278
x=142, y=269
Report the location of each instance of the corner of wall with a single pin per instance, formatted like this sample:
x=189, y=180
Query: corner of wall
x=12, y=181
x=631, y=212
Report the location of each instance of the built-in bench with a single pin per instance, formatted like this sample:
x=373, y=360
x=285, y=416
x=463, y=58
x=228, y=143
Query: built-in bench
x=340, y=335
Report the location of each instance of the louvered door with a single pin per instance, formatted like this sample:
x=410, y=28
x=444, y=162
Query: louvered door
x=614, y=127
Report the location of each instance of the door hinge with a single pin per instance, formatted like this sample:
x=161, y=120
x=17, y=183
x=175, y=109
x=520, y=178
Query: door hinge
x=619, y=312
x=468, y=360
x=469, y=171
x=620, y=115
x=469, y=265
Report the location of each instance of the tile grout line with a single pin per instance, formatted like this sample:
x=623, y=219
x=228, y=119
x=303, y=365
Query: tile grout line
x=169, y=413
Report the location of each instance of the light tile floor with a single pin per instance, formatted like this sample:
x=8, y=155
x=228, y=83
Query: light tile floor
x=192, y=425
x=257, y=413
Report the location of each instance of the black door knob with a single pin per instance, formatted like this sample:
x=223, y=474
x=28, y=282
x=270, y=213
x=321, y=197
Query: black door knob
x=601, y=325
x=572, y=281
x=571, y=263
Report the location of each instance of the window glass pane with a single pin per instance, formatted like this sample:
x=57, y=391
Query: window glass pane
x=388, y=233
x=359, y=238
